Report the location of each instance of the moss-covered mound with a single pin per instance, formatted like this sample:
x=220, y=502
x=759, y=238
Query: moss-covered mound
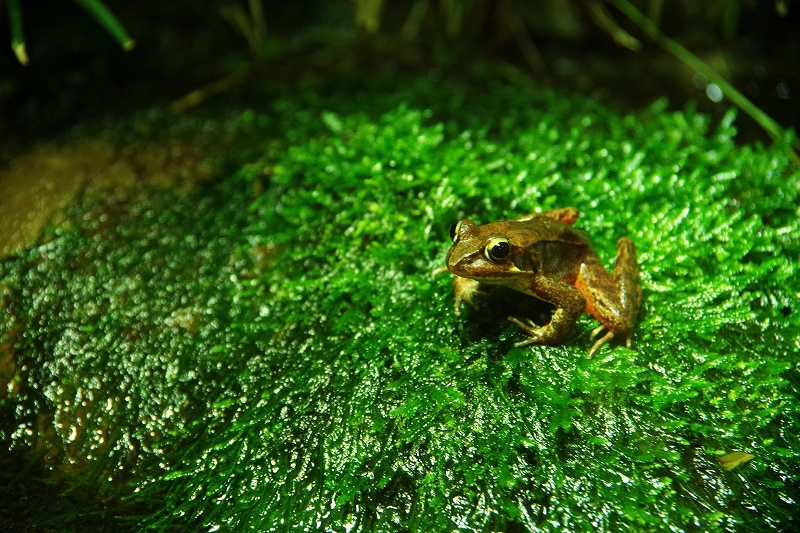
x=289, y=363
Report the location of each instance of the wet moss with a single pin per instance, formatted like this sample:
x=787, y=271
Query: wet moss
x=289, y=362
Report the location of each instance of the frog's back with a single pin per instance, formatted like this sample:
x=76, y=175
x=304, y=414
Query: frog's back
x=541, y=228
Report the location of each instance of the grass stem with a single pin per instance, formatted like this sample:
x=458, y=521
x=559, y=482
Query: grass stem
x=739, y=100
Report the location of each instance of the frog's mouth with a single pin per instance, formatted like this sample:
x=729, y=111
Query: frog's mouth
x=477, y=267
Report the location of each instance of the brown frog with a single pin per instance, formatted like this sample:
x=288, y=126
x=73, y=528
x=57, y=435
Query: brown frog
x=541, y=255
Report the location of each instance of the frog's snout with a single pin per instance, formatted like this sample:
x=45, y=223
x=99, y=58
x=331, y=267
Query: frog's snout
x=459, y=256
x=458, y=262
x=450, y=261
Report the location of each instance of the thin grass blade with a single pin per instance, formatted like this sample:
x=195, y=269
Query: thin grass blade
x=739, y=100
x=17, y=32
x=107, y=20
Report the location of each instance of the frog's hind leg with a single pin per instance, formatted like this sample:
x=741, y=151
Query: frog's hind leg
x=613, y=300
x=567, y=215
x=629, y=285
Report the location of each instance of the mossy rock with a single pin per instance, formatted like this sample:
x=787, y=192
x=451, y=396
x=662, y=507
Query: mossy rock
x=288, y=362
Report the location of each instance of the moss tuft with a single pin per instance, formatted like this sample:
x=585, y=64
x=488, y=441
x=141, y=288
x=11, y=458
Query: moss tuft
x=295, y=364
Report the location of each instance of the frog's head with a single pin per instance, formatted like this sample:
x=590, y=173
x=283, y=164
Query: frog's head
x=484, y=253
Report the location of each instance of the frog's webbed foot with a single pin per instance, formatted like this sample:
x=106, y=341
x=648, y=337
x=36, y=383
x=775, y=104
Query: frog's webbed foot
x=465, y=290
x=536, y=332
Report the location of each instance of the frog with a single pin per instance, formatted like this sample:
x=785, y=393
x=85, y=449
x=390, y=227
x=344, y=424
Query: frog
x=544, y=256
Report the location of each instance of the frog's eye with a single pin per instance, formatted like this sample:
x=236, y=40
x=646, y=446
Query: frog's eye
x=454, y=231
x=498, y=250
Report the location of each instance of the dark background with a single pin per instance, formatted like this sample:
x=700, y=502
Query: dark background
x=78, y=74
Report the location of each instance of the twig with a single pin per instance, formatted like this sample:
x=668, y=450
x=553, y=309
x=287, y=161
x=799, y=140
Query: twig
x=414, y=20
x=603, y=18
x=198, y=96
x=524, y=41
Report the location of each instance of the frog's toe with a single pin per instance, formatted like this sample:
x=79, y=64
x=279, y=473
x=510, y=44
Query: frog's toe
x=467, y=298
x=526, y=342
x=527, y=328
x=438, y=271
x=465, y=291
x=531, y=329
x=629, y=341
x=596, y=346
x=597, y=331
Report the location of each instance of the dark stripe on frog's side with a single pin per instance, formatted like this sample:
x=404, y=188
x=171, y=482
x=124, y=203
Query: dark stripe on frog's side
x=563, y=259
x=563, y=245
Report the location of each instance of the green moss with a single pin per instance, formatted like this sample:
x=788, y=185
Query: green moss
x=295, y=364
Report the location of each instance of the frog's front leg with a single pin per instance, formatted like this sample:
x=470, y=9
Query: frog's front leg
x=464, y=290
x=569, y=303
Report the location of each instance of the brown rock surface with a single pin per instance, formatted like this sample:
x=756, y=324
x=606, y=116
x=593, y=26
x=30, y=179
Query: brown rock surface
x=39, y=184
